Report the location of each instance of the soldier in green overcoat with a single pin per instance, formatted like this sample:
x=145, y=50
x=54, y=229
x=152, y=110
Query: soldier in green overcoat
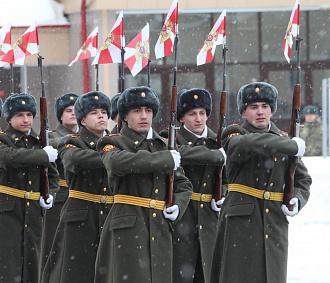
x=64, y=111
x=21, y=162
x=252, y=243
x=194, y=234
x=73, y=253
x=140, y=225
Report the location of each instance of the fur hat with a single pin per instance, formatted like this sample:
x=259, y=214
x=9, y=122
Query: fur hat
x=63, y=102
x=310, y=109
x=1, y=103
x=193, y=98
x=135, y=97
x=19, y=102
x=90, y=101
x=257, y=92
x=114, y=107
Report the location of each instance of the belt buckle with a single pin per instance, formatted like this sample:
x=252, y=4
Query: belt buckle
x=152, y=203
x=27, y=195
x=103, y=199
x=203, y=197
x=266, y=195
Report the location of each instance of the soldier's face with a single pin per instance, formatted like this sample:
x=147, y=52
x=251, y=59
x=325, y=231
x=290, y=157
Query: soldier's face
x=139, y=120
x=68, y=118
x=195, y=120
x=96, y=121
x=310, y=118
x=258, y=114
x=22, y=121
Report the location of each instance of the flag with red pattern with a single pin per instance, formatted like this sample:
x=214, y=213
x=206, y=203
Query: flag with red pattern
x=89, y=48
x=5, y=39
x=165, y=42
x=292, y=30
x=26, y=45
x=137, y=52
x=115, y=41
x=216, y=37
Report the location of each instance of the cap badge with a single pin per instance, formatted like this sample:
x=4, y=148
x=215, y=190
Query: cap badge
x=71, y=98
x=257, y=89
x=23, y=102
x=96, y=97
x=143, y=94
x=195, y=96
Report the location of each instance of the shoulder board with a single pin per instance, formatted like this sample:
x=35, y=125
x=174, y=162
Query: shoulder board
x=233, y=134
x=73, y=136
x=282, y=133
x=70, y=145
x=112, y=135
x=109, y=147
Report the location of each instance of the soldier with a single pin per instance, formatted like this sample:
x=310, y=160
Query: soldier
x=194, y=235
x=138, y=162
x=311, y=132
x=252, y=243
x=64, y=111
x=21, y=162
x=73, y=253
x=114, y=113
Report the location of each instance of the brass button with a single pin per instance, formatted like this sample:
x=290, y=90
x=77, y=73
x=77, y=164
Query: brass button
x=266, y=236
x=204, y=142
x=200, y=227
x=153, y=238
x=152, y=203
x=27, y=195
x=271, y=184
x=266, y=195
x=103, y=199
x=202, y=205
x=154, y=215
x=136, y=142
x=151, y=144
x=275, y=158
x=30, y=182
x=25, y=226
x=101, y=212
x=156, y=191
x=267, y=210
x=204, y=185
x=104, y=189
x=28, y=203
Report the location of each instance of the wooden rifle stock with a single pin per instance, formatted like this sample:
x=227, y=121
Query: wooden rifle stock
x=222, y=125
x=293, y=160
x=172, y=143
x=44, y=183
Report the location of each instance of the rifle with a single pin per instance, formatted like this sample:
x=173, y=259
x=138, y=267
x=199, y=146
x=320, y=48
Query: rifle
x=172, y=129
x=288, y=193
x=222, y=126
x=44, y=129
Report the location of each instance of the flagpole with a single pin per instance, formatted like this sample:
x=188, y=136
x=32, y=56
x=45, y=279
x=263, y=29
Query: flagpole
x=122, y=77
x=97, y=76
x=149, y=72
x=12, y=78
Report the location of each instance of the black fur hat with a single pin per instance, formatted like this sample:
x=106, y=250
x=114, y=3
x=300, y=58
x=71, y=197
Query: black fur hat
x=63, y=102
x=114, y=107
x=257, y=92
x=310, y=109
x=19, y=102
x=135, y=97
x=193, y=98
x=1, y=103
x=90, y=101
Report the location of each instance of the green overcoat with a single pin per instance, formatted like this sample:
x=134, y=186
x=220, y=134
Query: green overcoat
x=194, y=234
x=21, y=219
x=311, y=133
x=140, y=241
x=252, y=244
x=73, y=253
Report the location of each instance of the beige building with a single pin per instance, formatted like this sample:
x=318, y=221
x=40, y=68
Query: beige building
x=255, y=32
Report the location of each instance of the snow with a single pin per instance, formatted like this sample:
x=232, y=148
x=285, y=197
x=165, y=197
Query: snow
x=309, y=240
x=39, y=12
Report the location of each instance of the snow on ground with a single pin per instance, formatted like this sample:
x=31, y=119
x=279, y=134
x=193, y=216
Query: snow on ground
x=309, y=231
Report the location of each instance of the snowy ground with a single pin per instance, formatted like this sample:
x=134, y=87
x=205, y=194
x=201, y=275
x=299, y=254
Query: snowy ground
x=309, y=231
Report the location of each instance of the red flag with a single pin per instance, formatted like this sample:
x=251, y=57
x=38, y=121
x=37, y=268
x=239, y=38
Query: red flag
x=5, y=39
x=216, y=37
x=137, y=51
x=27, y=45
x=89, y=48
x=292, y=30
x=165, y=42
x=111, y=49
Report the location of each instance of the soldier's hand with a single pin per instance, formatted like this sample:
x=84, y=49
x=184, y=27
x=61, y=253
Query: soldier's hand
x=51, y=152
x=224, y=155
x=301, y=146
x=216, y=205
x=176, y=158
x=172, y=212
x=49, y=203
x=294, y=212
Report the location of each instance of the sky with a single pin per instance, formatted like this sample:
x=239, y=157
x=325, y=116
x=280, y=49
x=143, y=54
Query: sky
x=40, y=12
x=309, y=240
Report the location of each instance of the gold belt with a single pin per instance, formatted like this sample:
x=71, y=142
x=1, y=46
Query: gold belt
x=138, y=201
x=62, y=183
x=19, y=193
x=91, y=197
x=201, y=197
x=255, y=192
